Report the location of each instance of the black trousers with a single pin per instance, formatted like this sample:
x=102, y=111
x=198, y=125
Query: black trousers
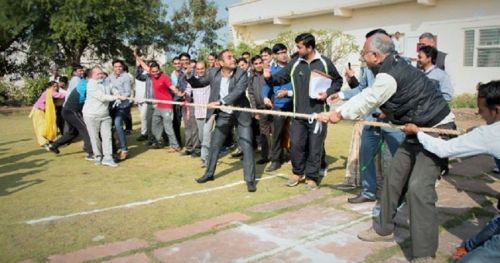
x=277, y=151
x=76, y=126
x=307, y=148
x=223, y=124
x=59, y=119
x=415, y=169
x=176, y=123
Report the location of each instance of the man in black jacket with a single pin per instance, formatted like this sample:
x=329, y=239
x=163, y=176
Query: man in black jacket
x=405, y=95
x=307, y=138
x=228, y=85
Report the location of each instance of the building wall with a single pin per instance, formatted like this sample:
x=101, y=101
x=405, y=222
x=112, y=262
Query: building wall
x=447, y=19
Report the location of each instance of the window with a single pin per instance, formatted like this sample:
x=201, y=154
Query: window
x=482, y=47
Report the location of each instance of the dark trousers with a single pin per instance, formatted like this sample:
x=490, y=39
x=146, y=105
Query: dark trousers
x=191, y=130
x=176, y=123
x=277, y=151
x=120, y=115
x=128, y=120
x=307, y=148
x=76, y=125
x=417, y=170
x=59, y=119
x=223, y=124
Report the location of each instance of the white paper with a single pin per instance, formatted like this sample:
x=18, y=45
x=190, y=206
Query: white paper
x=318, y=84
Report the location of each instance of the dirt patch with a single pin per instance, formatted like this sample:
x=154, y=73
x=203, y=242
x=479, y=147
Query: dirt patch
x=7, y=109
x=467, y=118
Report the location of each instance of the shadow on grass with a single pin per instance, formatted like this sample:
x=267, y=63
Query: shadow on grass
x=15, y=141
x=16, y=180
x=17, y=157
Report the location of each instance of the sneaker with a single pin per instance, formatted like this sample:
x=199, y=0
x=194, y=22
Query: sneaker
x=311, y=185
x=295, y=180
x=46, y=147
x=370, y=235
x=98, y=160
x=53, y=149
x=123, y=155
x=109, y=163
x=495, y=170
x=89, y=157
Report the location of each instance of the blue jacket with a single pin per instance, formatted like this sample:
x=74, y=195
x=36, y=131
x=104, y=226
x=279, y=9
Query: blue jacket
x=280, y=103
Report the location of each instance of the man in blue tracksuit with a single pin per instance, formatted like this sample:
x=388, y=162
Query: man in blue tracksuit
x=280, y=98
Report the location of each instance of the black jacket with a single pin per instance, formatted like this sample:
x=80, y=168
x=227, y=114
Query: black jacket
x=416, y=99
x=302, y=103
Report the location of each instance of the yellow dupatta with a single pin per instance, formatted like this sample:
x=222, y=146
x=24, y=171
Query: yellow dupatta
x=50, y=129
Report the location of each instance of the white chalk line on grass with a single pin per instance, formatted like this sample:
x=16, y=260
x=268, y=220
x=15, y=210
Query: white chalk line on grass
x=142, y=203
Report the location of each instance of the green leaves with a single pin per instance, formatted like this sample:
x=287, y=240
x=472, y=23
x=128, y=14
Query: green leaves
x=60, y=32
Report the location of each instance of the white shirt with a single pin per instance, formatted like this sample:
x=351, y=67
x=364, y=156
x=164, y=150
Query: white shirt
x=384, y=86
x=482, y=140
x=224, y=91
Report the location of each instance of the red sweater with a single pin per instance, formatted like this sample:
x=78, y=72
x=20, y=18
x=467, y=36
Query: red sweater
x=161, y=90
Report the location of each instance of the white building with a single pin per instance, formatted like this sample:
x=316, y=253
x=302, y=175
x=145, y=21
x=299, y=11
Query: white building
x=469, y=31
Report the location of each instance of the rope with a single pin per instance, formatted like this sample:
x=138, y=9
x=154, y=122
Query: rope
x=293, y=115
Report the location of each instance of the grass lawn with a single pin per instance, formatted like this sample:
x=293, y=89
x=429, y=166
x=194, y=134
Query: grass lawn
x=36, y=184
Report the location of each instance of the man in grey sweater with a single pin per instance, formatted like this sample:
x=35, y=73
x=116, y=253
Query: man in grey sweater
x=97, y=118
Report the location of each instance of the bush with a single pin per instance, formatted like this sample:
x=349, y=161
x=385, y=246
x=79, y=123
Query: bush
x=10, y=95
x=33, y=88
x=465, y=100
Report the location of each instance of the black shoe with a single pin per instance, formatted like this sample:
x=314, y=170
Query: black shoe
x=155, y=145
x=237, y=154
x=359, y=199
x=196, y=154
x=128, y=132
x=273, y=167
x=187, y=152
x=204, y=179
x=54, y=149
x=141, y=138
x=262, y=161
x=251, y=187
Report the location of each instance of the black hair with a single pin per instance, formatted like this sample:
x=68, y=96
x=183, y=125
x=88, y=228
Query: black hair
x=279, y=47
x=241, y=59
x=193, y=60
x=254, y=58
x=184, y=54
x=49, y=84
x=429, y=52
x=307, y=39
x=221, y=54
x=76, y=67
x=154, y=64
x=246, y=53
x=376, y=31
x=175, y=58
x=490, y=92
x=87, y=73
x=118, y=61
x=266, y=50
x=213, y=54
x=125, y=68
x=63, y=79
x=295, y=55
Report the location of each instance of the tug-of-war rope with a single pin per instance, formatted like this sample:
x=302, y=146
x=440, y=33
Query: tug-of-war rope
x=309, y=117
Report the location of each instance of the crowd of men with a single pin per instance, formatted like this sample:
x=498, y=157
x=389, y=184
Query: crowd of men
x=389, y=89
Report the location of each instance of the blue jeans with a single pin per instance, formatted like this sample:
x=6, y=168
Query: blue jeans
x=488, y=252
x=121, y=114
x=491, y=229
x=372, y=139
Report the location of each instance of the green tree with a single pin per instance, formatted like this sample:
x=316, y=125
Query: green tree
x=334, y=44
x=60, y=32
x=195, y=25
